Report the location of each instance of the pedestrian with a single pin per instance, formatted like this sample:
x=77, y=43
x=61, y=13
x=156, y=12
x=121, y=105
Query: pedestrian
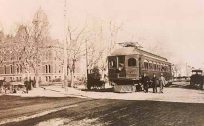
x=34, y=83
x=139, y=86
x=1, y=84
x=162, y=82
x=26, y=82
x=145, y=81
x=155, y=82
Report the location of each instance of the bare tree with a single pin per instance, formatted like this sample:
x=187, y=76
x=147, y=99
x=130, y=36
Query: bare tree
x=113, y=33
x=34, y=47
x=95, y=55
x=103, y=42
x=97, y=51
x=9, y=49
x=176, y=69
x=76, y=39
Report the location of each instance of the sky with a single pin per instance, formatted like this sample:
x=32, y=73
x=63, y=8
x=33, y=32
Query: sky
x=173, y=28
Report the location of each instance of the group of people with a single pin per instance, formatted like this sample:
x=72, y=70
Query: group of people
x=154, y=81
x=7, y=86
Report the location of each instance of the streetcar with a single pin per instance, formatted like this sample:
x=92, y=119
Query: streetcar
x=126, y=65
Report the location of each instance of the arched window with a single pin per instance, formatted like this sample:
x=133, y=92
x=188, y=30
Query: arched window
x=46, y=69
x=60, y=69
x=46, y=78
x=5, y=69
x=150, y=65
x=17, y=68
x=132, y=62
x=21, y=69
x=49, y=69
x=11, y=69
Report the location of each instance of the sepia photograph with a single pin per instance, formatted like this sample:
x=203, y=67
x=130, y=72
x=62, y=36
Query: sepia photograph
x=101, y=63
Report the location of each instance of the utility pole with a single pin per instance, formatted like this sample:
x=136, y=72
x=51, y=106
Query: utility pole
x=186, y=69
x=65, y=83
x=87, y=70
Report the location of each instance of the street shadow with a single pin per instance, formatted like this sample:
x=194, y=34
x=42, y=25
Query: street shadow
x=149, y=113
x=126, y=112
x=184, y=86
x=178, y=86
x=99, y=90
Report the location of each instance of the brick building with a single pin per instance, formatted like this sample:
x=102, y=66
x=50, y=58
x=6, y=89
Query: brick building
x=13, y=69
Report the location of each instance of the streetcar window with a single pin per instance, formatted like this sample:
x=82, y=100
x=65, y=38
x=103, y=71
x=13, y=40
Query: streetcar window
x=162, y=69
x=169, y=68
x=112, y=63
x=121, y=59
x=150, y=65
x=158, y=67
x=166, y=68
x=145, y=65
x=132, y=62
x=155, y=67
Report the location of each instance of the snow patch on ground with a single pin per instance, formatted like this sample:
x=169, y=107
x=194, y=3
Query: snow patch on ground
x=52, y=122
x=35, y=115
x=70, y=122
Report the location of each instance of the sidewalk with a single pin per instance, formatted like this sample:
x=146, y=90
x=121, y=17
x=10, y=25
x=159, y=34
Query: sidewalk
x=51, y=91
x=170, y=94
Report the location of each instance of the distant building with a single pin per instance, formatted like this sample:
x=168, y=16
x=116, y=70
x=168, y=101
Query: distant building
x=13, y=69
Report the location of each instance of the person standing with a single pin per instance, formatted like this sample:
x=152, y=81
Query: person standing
x=145, y=81
x=30, y=84
x=34, y=83
x=155, y=82
x=139, y=85
x=26, y=82
x=162, y=83
x=1, y=84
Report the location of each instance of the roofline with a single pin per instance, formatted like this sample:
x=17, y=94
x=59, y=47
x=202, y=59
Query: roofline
x=197, y=71
x=153, y=54
x=144, y=52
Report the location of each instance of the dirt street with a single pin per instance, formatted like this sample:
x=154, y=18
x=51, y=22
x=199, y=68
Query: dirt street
x=105, y=112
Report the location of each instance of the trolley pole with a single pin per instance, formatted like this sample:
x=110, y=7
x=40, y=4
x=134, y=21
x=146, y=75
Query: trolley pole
x=186, y=69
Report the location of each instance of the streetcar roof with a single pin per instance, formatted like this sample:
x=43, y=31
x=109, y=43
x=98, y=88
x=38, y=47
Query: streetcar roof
x=125, y=51
x=133, y=50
